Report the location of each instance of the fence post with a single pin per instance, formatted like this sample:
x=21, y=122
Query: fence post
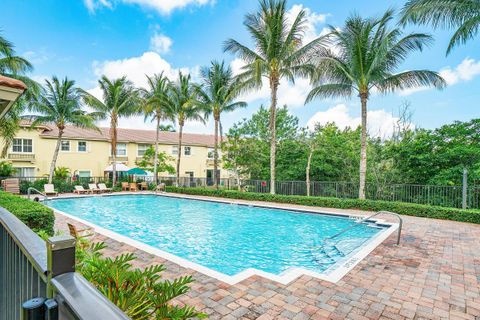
x=60, y=258
x=464, y=188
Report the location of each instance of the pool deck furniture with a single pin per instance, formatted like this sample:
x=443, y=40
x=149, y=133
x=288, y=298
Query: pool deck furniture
x=80, y=233
x=133, y=186
x=103, y=188
x=50, y=189
x=93, y=188
x=125, y=186
x=142, y=186
x=80, y=190
x=160, y=187
x=11, y=186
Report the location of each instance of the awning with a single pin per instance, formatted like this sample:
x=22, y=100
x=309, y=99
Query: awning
x=120, y=167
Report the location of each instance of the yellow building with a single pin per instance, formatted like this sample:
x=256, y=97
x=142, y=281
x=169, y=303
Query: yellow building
x=87, y=153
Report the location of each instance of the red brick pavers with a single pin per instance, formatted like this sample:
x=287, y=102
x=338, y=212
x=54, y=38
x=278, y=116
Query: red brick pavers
x=434, y=274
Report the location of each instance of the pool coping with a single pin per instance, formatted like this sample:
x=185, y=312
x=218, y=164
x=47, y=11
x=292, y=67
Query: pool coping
x=333, y=274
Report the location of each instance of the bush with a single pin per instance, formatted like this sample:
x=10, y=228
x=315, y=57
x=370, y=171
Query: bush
x=35, y=215
x=409, y=209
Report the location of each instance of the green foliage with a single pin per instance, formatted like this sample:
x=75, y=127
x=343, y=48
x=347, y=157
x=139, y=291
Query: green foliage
x=6, y=169
x=140, y=293
x=35, y=215
x=410, y=209
x=61, y=172
x=163, y=162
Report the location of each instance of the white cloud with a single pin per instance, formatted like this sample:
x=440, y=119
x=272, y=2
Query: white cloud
x=162, y=6
x=160, y=43
x=313, y=19
x=380, y=123
x=467, y=70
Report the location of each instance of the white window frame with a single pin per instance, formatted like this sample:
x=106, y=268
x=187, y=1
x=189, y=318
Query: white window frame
x=126, y=149
x=69, y=146
x=138, y=148
x=175, y=150
x=185, y=151
x=22, y=152
x=85, y=170
x=78, y=146
x=16, y=173
x=212, y=151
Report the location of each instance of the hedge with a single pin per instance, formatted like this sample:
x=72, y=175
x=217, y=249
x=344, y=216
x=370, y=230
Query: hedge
x=35, y=215
x=409, y=209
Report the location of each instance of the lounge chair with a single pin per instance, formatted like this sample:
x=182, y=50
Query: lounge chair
x=125, y=186
x=80, y=190
x=143, y=186
x=49, y=189
x=93, y=188
x=11, y=185
x=133, y=186
x=160, y=187
x=103, y=188
x=80, y=233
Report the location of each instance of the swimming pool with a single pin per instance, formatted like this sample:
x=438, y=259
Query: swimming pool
x=227, y=238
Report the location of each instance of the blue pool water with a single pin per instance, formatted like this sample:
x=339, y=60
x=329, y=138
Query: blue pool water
x=224, y=237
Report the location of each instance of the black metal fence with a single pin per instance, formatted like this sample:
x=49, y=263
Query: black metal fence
x=28, y=269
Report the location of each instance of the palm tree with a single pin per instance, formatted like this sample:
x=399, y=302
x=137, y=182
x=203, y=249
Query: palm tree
x=217, y=94
x=463, y=15
x=16, y=67
x=277, y=54
x=59, y=103
x=120, y=99
x=185, y=106
x=366, y=56
x=157, y=105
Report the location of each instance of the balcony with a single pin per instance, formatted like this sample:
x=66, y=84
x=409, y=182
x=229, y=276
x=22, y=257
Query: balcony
x=24, y=157
x=118, y=159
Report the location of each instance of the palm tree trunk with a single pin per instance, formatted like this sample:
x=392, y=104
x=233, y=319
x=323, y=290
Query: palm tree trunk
x=179, y=153
x=307, y=171
x=215, y=152
x=273, y=142
x=155, y=161
x=113, y=134
x=363, y=151
x=55, y=156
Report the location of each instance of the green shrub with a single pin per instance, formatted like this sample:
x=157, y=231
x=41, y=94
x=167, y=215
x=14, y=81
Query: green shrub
x=35, y=215
x=410, y=209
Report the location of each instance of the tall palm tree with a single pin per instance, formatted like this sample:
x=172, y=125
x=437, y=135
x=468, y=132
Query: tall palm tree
x=157, y=106
x=277, y=54
x=59, y=103
x=366, y=56
x=14, y=66
x=217, y=94
x=185, y=106
x=120, y=99
x=462, y=15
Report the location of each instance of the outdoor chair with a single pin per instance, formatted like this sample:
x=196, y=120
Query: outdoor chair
x=80, y=190
x=160, y=187
x=49, y=189
x=143, y=186
x=103, y=187
x=80, y=233
x=93, y=188
x=125, y=186
x=133, y=186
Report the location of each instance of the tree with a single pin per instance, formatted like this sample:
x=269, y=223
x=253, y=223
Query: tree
x=157, y=105
x=59, y=103
x=312, y=141
x=277, y=54
x=166, y=127
x=185, y=106
x=367, y=54
x=162, y=160
x=6, y=169
x=61, y=172
x=217, y=95
x=120, y=99
x=464, y=15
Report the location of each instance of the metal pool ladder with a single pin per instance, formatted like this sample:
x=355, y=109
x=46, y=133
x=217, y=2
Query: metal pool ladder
x=399, y=231
x=29, y=192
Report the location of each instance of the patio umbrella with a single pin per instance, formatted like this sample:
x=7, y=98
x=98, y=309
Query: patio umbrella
x=137, y=172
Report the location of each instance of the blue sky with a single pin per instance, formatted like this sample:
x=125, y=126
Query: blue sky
x=84, y=39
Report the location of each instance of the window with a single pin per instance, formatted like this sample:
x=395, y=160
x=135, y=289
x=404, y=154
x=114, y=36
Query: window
x=84, y=173
x=210, y=153
x=187, y=151
x=65, y=145
x=82, y=146
x=24, y=172
x=175, y=150
x=22, y=145
x=121, y=149
x=141, y=149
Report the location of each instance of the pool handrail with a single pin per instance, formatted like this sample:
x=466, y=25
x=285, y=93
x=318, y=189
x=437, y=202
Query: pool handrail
x=29, y=192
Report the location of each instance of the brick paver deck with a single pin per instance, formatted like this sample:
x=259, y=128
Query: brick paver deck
x=434, y=274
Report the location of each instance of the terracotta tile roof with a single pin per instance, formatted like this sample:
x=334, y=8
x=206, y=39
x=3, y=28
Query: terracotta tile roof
x=131, y=135
x=12, y=83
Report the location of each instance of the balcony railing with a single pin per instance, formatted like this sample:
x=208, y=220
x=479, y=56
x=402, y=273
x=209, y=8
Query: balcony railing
x=31, y=268
x=21, y=157
x=118, y=159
